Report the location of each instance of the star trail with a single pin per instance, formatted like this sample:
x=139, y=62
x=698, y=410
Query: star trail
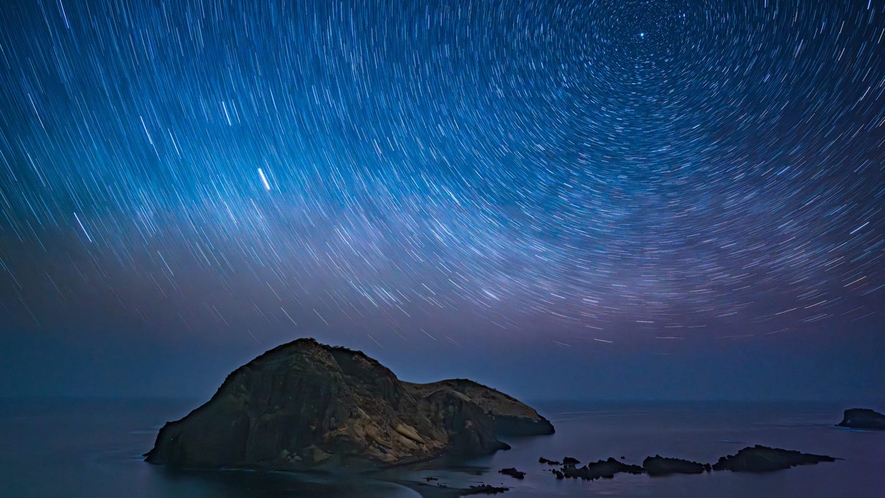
x=382, y=171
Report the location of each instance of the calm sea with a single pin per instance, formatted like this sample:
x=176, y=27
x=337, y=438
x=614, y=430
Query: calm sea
x=77, y=448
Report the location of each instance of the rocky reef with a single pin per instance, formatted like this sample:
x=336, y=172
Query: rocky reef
x=863, y=418
x=603, y=469
x=304, y=404
x=662, y=466
x=483, y=489
x=751, y=459
x=764, y=459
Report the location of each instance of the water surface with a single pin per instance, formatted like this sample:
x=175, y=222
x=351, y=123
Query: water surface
x=89, y=448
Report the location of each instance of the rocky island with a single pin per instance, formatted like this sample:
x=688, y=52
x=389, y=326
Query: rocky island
x=305, y=405
x=863, y=418
x=764, y=459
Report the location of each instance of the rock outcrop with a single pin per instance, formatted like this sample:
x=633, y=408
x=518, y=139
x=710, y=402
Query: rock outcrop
x=484, y=489
x=763, y=459
x=662, y=466
x=863, y=418
x=304, y=404
x=512, y=472
x=605, y=469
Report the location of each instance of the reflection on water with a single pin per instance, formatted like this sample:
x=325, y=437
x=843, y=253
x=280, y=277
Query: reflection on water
x=266, y=485
x=93, y=449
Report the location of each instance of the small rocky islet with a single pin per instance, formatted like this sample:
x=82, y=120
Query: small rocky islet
x=863, y=418
x=483, y=489
x=764, y=459
x=603, y=469
x=512, y=472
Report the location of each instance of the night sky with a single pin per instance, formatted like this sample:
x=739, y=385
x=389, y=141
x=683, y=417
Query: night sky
x=560, y=198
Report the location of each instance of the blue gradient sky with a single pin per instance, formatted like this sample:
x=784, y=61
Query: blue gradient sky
x=680, y=198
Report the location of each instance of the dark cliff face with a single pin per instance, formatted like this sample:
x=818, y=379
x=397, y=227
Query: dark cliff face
x=305, y=404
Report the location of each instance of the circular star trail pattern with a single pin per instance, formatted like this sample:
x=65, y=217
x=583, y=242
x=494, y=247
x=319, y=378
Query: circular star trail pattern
x=677, y=167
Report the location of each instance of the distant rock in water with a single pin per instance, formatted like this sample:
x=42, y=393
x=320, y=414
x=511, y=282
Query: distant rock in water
x=764, y=459
x=483, y=489
x=661, y=466
x=605, y=469
x=548, y=462
x=512, y=472
x=570, y=461
x=863, y=418
x=304, y=404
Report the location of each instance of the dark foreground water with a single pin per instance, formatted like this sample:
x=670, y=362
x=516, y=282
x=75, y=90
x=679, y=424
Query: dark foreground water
x=93, y=449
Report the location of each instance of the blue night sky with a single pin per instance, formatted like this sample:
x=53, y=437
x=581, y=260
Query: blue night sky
x=671, y=198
